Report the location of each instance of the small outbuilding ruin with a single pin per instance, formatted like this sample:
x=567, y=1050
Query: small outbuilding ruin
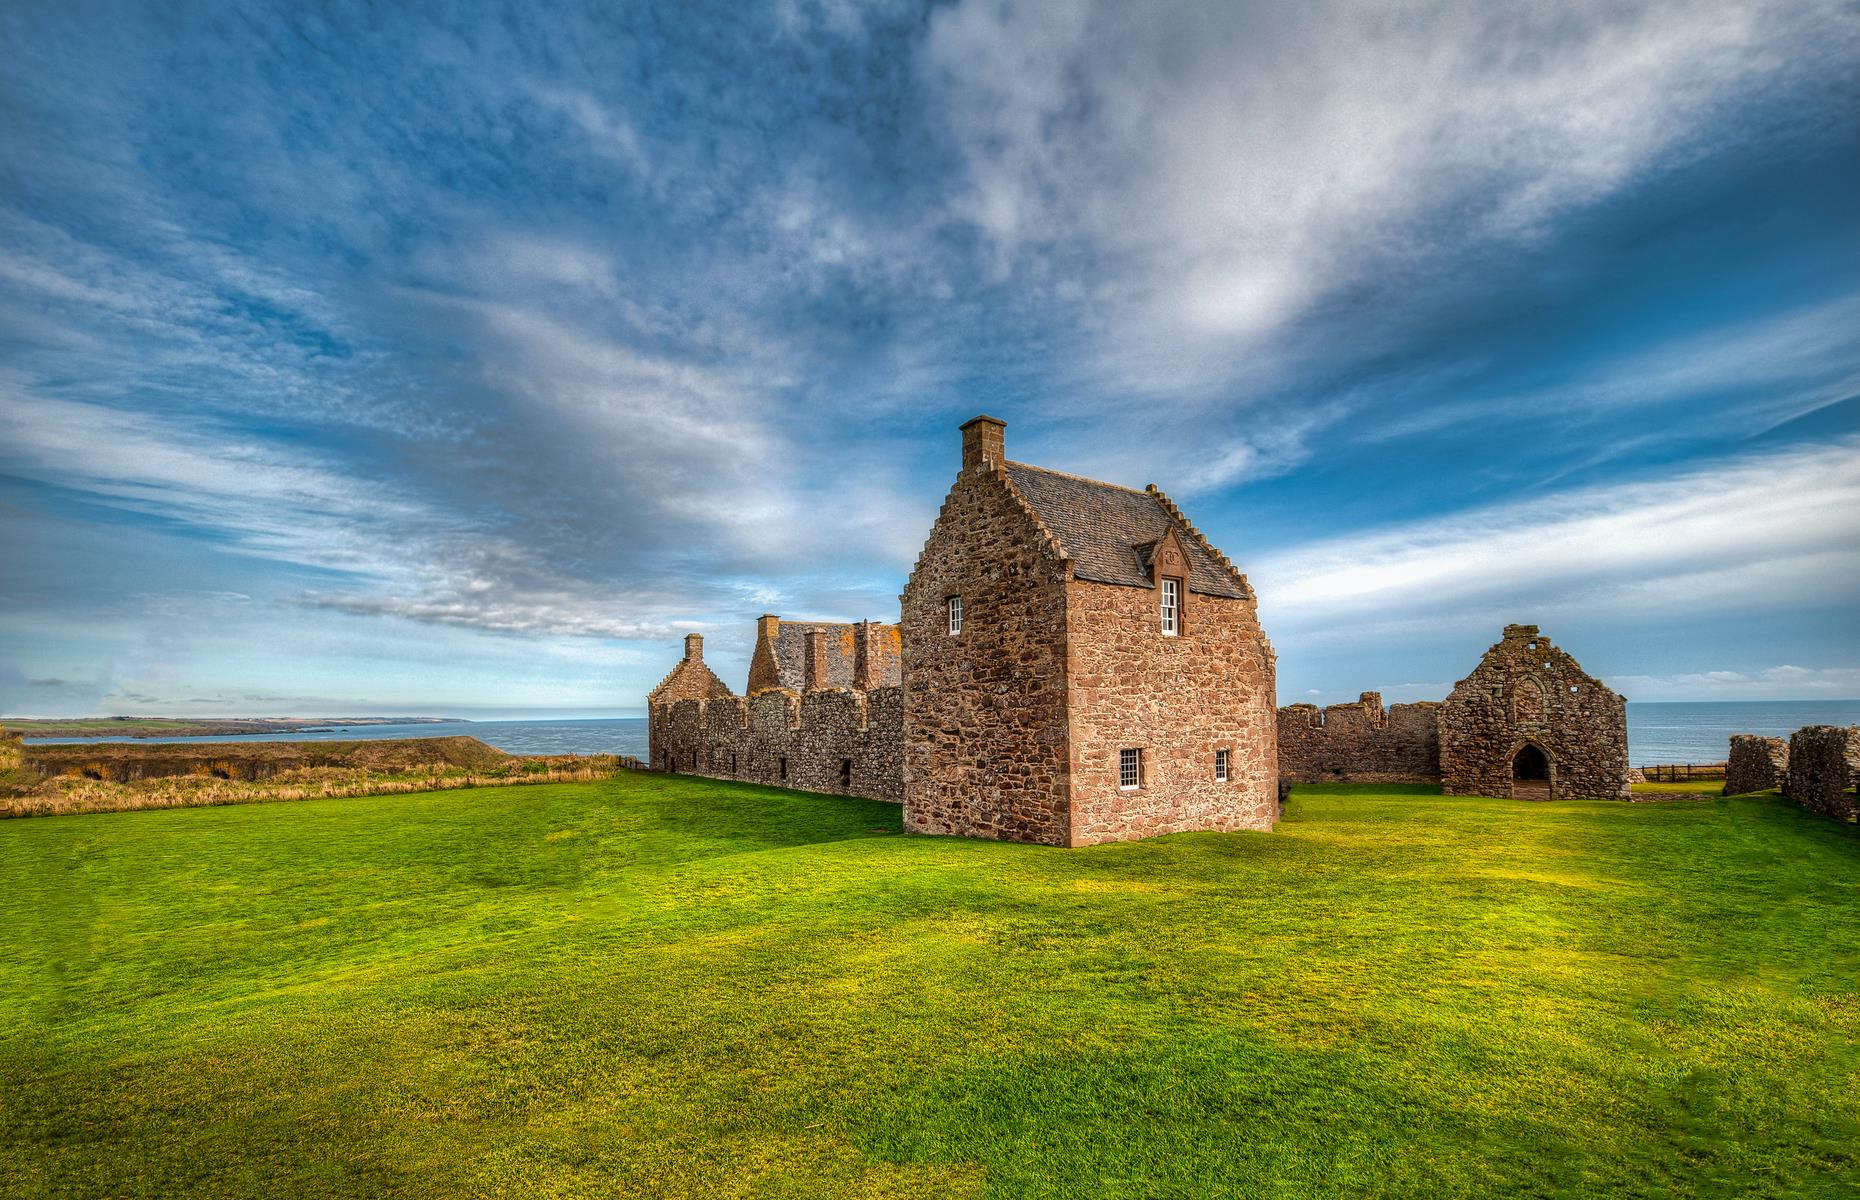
x=1531, y=724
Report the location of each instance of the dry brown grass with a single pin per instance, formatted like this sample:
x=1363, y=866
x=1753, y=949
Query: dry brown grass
x=71, y=794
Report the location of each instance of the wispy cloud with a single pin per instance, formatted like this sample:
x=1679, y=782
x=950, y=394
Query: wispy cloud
x=1230, y=169
x=1741, y=535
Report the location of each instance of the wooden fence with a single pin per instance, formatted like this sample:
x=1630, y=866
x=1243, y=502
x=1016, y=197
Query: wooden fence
x=1682, y=772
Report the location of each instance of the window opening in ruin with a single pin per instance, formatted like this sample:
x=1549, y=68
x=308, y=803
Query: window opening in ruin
x=1220, y=766
x=845, y=772
x=1532, y=646
x=1171, y=607
x=955, y=615
x=732, y=764
x=1129, y=769
x=1530, y=765
x=784, y=769
x=1528, y=701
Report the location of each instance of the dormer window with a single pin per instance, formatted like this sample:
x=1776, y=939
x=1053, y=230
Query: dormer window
x=955, y=615
x=1171, y=606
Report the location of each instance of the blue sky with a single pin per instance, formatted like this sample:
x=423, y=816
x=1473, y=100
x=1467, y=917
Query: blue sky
x=360, y=360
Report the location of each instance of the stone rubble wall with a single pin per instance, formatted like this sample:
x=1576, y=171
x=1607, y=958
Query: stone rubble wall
x=830, y=740
x=1756, y=764
x=1824, y=762
x=985, y=732
x=1177, y=700
x=1360, y=742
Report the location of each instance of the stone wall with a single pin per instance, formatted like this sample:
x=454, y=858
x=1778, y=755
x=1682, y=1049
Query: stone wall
x=1360, y=742
x=1756, y=764
x=830, y=740
x=1528, y=697
x=1824, y=761
x=985, y=736
x=1177, y=700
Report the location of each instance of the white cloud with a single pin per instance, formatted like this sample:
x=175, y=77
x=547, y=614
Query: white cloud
x=1794, y=362
x=1745, y=534
x=1784, y=682
x=1232, y=166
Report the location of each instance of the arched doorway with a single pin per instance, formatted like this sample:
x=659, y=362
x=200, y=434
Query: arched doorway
x=1530, y=773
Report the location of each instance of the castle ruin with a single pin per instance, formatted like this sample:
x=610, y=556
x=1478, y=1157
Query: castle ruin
x=1531, y=724
x=1075, y=664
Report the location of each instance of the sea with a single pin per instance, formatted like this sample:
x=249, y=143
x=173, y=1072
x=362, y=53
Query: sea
x=1657, y=733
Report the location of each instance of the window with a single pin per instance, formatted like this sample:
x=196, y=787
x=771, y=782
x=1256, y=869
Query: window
x=955, y=615
x=845, y=772
x=784, y=769
x=1171, y=607
x=1129, y=769
x=1220, y=766
x=732, y=764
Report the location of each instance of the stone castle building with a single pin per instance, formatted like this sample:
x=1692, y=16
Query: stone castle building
x=1527, y=723
x=1080, y=665
x=1075, y=664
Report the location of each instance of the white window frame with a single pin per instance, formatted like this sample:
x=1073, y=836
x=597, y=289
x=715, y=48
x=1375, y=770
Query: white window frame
x=1129, y=767
x=954, y=607
x=1221, y=771
x=1171, y=606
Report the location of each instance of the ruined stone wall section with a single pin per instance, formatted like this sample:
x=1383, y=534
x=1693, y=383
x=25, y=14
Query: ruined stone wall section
x=1525, y=691
x=1756, y=764
x=1360, y=742
x=1176, y=699
x=832, y=740
x=985, y=738
x=1824, y=762
x=12, y=749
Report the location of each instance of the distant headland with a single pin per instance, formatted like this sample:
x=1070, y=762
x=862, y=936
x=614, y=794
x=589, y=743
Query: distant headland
x=172, y=727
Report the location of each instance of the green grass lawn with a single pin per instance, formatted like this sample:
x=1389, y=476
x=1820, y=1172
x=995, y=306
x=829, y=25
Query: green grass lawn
x=664, y=986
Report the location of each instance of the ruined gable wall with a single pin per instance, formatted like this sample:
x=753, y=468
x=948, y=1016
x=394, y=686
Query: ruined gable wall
x=1360, y=742
x=1824, y=761
x=984, y=712
x=1513, y=697
x=691, y=679
x=1178, y=699
x=782, y=739
x=1756, y=764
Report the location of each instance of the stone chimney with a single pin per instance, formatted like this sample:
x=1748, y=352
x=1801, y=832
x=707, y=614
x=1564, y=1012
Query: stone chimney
x=694, y=647
x=814, y=666
x=768, y=625
x=867, y=663
x=984, y=440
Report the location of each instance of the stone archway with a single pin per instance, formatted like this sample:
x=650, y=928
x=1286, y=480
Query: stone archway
x=1530, y=773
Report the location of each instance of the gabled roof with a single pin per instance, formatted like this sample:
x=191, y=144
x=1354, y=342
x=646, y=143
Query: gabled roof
x=842, y=653
x=1109, y=531
x=691, y=679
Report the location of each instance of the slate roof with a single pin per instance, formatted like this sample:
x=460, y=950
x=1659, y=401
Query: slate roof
x=791, y=654
x=1108, y=531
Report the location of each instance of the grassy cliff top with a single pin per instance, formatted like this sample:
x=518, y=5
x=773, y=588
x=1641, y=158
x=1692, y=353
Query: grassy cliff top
x=671, y=986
